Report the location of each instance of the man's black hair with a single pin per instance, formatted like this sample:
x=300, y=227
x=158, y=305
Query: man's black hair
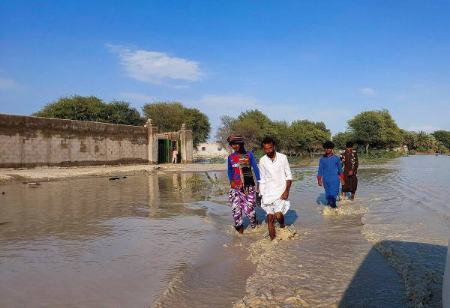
x=349, y=144
x=328, y=145
x=267, y=140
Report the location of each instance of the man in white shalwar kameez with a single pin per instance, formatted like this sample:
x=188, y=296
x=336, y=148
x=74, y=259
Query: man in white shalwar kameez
x=276, y=180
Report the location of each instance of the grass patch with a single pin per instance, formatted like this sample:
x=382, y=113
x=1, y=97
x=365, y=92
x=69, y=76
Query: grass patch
x=211, y=160
x=376, y=157
x=303, y=160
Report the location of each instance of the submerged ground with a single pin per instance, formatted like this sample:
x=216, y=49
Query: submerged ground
x=165, y=239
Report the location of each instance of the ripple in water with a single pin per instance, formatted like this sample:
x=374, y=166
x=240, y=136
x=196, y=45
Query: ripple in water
x=148, y=240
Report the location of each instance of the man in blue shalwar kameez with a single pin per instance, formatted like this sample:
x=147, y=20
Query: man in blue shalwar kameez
x=330, y=173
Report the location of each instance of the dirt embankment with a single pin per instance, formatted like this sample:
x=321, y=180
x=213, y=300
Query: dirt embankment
x=58, y=173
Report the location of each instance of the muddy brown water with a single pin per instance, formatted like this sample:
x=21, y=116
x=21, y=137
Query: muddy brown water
x=95, y=242
x=167, y=241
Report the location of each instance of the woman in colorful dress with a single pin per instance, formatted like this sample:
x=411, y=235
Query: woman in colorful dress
x=242, y=171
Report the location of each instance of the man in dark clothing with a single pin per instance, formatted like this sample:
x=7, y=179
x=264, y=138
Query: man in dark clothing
x=350, y=167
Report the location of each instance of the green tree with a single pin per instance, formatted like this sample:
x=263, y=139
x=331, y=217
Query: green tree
x=443, y=136
x=91, y=108
x=441, y=148
x=421, y=141
x=341, y=139
x=119, y=112
x=199, y=123
x=169, y=116
x=279, y=131
x=263, y=121
x=262, y=126
x=83, y=108
x=367, y=127
x=224, y=130
x=308, y=136
x=253, y=125
x=250, y=130
x=410, y=140
x=392, y=134
x=375, y=129
x=425, y=142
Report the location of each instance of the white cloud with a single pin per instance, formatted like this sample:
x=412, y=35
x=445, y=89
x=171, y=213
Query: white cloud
x=368, y=92
x=156, y=67
x=7, y=84
x=136, y=97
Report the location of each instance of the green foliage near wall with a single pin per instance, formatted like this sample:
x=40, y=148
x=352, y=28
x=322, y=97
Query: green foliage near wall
x=169, y=116
x=120, y=112
x=91, y=108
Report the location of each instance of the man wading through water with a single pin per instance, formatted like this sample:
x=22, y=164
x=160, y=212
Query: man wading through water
x=329, y=173
x=243, y=186
x=276, y=180
x=350, y=165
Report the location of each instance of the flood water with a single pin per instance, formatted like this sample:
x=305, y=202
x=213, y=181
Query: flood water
x=95, y=242
x=167, y=241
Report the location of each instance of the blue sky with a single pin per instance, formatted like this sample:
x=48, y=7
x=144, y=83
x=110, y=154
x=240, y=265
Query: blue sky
x=318, y=60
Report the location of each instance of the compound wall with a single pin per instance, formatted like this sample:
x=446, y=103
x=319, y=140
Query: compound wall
x=32, y=141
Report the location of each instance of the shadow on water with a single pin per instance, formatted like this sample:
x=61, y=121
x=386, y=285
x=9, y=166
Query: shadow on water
x=371, y=285
x=321, y=199
x=289, y=218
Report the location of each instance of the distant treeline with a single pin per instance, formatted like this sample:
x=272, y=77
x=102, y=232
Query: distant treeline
x=298, y=137
x=369, y=130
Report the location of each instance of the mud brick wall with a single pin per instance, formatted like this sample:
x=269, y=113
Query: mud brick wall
x=32, y=141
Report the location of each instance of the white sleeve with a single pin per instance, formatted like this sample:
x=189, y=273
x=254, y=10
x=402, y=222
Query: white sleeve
x=262, y=173
x=287, y=169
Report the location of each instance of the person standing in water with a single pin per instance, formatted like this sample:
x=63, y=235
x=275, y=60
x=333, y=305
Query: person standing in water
x=276, y=180
x=329, y=173
x=174, y=156
x=350, y=165
x=243, y=190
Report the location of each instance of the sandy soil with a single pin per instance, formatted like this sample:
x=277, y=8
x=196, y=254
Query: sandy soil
x=57, y=173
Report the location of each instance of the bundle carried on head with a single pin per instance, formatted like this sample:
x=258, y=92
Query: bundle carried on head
x=235, y=139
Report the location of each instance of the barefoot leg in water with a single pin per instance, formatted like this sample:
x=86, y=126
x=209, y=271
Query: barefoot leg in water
x=249, y=206
x=271, y=225
x=236, y=200
x=280, y=218
x=240, y=229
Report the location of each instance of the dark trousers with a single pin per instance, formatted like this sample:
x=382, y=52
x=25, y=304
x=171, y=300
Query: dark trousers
x=331, y=201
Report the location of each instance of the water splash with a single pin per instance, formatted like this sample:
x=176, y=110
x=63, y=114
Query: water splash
x=270, y=285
